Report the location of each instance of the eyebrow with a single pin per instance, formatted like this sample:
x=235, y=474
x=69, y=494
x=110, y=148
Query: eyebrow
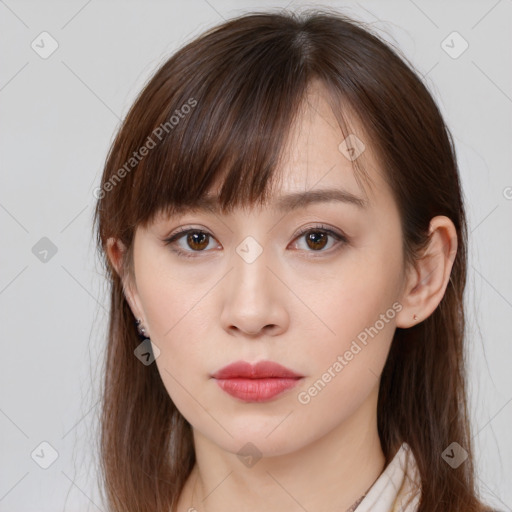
x=288, y=202
x=302, y=199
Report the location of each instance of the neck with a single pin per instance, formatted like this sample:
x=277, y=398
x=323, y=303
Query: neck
x=331, y=473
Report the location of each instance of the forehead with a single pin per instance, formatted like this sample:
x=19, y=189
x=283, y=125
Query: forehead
x=322, y=154
x=317, y=153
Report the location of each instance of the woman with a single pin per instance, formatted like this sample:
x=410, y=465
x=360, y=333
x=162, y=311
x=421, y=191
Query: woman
x=284, y=232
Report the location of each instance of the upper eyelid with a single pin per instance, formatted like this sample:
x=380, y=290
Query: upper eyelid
x=320, y=227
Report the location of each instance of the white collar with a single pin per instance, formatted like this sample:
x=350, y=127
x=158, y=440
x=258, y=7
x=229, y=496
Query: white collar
x=399, y=481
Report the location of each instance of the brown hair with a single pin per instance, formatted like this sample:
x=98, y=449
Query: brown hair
x=221, y=108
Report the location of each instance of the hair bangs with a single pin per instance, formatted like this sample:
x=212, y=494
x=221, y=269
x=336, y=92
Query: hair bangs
x=233, y=136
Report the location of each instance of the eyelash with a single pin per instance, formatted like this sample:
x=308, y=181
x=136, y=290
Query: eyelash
x=313, y=229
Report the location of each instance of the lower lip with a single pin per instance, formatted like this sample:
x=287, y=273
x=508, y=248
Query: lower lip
x=256, y=390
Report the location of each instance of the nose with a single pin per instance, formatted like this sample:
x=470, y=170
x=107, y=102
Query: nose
x=254, y=301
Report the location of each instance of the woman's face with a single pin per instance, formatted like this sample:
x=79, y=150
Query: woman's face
x=255, y=289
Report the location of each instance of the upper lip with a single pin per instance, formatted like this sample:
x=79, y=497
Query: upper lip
x=259, y=370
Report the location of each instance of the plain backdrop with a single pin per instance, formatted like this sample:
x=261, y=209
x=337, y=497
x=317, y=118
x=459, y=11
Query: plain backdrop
x=58, y=115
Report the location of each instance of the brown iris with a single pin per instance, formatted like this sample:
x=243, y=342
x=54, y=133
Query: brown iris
x=317, y=238
x=197, y=241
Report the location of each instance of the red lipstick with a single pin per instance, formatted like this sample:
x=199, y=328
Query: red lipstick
x=255, y=382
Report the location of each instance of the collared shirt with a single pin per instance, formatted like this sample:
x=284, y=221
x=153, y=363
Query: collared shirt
x=398, y=482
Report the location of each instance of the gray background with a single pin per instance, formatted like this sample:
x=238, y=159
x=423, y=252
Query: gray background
x=58, y=116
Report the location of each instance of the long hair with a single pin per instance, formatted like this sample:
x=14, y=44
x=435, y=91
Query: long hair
x=221, y=109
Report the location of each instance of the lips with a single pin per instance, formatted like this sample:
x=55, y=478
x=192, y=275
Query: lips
x=260, y=370
x=255, y=383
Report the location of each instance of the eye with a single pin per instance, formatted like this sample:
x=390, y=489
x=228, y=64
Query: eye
x=186, y=242
x=317, y=238
x=195, y=239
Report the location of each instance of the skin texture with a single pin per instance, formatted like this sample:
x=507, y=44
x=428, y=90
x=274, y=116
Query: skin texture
x=297, y=305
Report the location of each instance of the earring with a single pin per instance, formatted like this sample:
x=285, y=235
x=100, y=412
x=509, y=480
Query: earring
x=415, y=317
x=141, y=328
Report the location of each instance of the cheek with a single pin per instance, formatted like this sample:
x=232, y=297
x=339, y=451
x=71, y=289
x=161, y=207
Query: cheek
x=180, y=320
x=178, y=324
x=371, y=278
x=347, y=362
x=168, y=296
x=359, y=292
x=358, y=307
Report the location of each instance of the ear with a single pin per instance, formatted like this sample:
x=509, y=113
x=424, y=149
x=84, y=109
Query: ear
x=116, y=252
x=427, y=281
